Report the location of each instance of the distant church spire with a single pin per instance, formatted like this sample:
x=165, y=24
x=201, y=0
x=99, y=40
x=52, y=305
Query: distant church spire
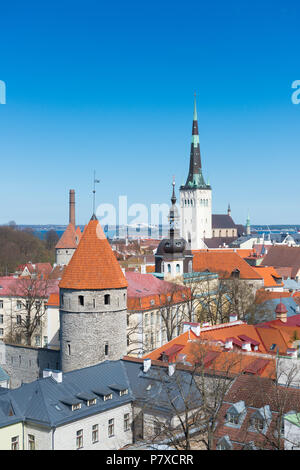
x=248, y=227
x=173, y=215
x=229, y=210
x=195, y=178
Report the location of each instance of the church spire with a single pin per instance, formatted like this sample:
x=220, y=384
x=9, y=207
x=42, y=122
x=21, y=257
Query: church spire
x=173, y=215
x=195, y=178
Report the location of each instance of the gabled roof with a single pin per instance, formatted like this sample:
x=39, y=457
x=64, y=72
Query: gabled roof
x=70, y=238
x=222, y=221
x=93, y=264
x=223, y=263
x=284, y=257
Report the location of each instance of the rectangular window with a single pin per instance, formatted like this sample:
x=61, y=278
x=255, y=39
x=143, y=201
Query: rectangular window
x=111, y=427
x=15, y=443
x=77, y=406
x=45, y=340
x=1, y=332
x=92, y=402
x=37, y=340
x=95, y=433
x=19, y=305
x=1, y=303
x=81, y=300
x=126, y=422
x=106, y=349
x=31, y=442
x=107, y=397
x=79, y=439
x=19, y=319
x=1, y=319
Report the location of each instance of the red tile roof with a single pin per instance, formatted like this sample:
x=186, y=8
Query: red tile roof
x=270, y=275
x=223, y=263
x=146, y=291
x=93, y=265
x=70, y=238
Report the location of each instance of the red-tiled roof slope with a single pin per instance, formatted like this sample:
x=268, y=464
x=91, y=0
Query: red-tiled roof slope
x=223, y=263
x=270, y=275
x=93, y=265
x=68, y=238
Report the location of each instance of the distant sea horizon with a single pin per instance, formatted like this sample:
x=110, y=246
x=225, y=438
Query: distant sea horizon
x=146, y=232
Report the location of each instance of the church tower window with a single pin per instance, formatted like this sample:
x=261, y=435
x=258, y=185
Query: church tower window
x=107, y=299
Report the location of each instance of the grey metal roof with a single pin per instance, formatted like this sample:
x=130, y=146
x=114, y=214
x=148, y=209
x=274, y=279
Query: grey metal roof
x=47, y=402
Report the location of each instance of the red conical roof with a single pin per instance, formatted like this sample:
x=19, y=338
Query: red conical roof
x=68, y=238
x=93, y=265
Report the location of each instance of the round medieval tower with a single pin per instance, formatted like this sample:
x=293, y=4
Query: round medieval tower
x=93, y=303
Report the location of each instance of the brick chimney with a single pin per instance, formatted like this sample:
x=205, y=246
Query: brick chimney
x=72, y=207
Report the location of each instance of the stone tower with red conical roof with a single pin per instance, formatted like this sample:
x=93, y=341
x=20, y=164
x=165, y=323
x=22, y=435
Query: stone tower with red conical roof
x=93, y=303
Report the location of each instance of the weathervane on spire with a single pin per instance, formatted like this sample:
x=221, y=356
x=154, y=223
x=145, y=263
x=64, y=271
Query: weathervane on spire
x=94, y=191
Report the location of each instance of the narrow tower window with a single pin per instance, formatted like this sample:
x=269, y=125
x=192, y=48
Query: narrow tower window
x=106, y=349
x=81, y=300
x=69, y=349
x=107, y=299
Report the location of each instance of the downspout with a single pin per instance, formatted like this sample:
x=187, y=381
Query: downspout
x=53, y=431
x=23, y=436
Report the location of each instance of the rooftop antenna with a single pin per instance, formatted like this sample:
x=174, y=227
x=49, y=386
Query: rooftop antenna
x=94, y=191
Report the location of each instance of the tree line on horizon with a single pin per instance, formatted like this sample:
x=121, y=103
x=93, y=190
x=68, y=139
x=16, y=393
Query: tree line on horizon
x=21, y=246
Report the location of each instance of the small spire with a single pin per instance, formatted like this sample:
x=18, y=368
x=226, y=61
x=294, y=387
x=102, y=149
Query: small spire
x=195, y=108
x=173, y=198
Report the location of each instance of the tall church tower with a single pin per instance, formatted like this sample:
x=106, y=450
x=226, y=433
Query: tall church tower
x=93, y=303
x=195, y=197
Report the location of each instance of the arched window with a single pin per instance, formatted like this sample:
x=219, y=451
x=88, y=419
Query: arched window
x=178, y=268
x=107, y=299
x=169, y=268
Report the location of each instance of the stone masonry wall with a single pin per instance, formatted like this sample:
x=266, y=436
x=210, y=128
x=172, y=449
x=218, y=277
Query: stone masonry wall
x=25, y=364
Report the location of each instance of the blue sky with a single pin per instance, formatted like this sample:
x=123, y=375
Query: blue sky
x=109, y=86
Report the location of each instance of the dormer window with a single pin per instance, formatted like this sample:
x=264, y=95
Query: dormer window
x=235, y=274
x=261, y=419
x=107, y=397
x=76, y=406
x=91, y=402
x=124, y=392
x=235, y=414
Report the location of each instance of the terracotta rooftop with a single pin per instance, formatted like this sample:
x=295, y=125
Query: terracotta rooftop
x=93, y=265
x=70, y=238
x=146, y=291
x=270, y=275
x=223, y=263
